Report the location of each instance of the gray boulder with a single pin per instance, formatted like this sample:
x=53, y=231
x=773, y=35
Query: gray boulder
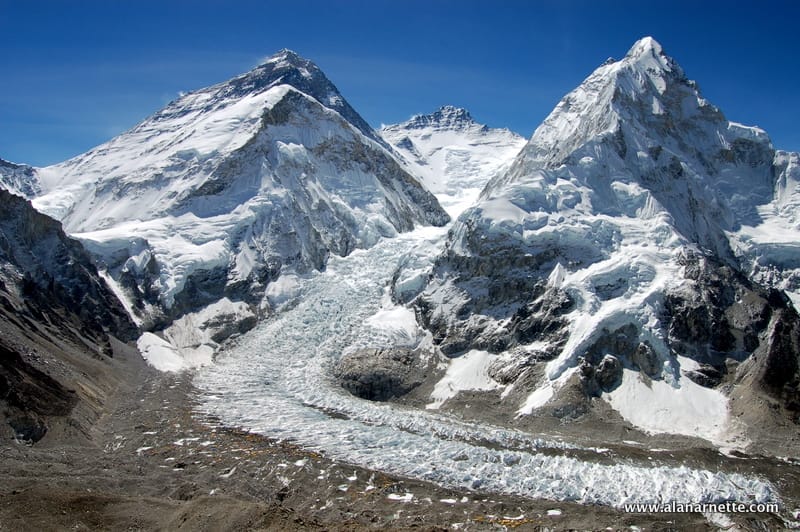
x=380, y=374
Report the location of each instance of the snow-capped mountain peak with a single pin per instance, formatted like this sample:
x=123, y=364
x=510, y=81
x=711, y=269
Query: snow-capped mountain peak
x=288, y=68
x=209, y=201
x=631, y=195
x=454, y=154
x=647, y=48
x=644, y=86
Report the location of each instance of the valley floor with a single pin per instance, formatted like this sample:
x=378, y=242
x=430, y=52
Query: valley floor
x=155, y=463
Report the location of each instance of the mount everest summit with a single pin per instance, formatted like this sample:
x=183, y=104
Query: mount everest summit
x=630, y=269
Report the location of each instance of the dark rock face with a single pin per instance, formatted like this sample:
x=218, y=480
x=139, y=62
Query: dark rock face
x=541, y=317
x=724, y=313
x=777, y=364
x=56, y=319
x=601, y=369
x=728, y=320
x=29, y=396
x=446, y=117
x=380, y=374
x=55, y=274
x=706, y=375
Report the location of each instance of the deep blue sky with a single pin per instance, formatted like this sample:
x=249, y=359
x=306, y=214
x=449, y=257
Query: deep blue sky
x=75, y=73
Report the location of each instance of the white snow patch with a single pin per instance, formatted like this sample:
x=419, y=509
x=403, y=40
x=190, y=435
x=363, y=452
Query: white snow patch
x=467, y=372
x=538, y=398
x=159, y=353
x=283, y=289
x=658, y=407
x=398, y=322
x=229, y=473
x=723, y=521
x=166, y=356
x=192, y=334
x=121, y=296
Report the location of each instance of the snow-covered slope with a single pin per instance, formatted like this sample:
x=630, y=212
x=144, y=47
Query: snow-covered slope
x=454, y=155
x=769, y=244
x=231, y=186
x=601, y=260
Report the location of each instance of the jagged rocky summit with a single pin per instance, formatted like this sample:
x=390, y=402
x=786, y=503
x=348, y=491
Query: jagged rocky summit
x=202, y=216
x=619, y=261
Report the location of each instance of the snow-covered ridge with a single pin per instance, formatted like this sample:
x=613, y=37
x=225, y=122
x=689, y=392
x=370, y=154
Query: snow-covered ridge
x=446, y=117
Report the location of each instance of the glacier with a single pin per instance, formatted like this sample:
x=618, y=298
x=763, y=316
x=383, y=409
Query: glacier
x=277, y=381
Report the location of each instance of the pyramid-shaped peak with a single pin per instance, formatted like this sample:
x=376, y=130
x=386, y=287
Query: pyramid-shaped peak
x=287, y=53
x=645, y=91
x=647, y=54
x=286, y=62
x=646, y=46
x=288, y=58
x=284, y=68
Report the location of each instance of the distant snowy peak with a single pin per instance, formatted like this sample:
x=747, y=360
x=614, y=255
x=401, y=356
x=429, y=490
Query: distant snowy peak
x=453, y=154
x=446, y=117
